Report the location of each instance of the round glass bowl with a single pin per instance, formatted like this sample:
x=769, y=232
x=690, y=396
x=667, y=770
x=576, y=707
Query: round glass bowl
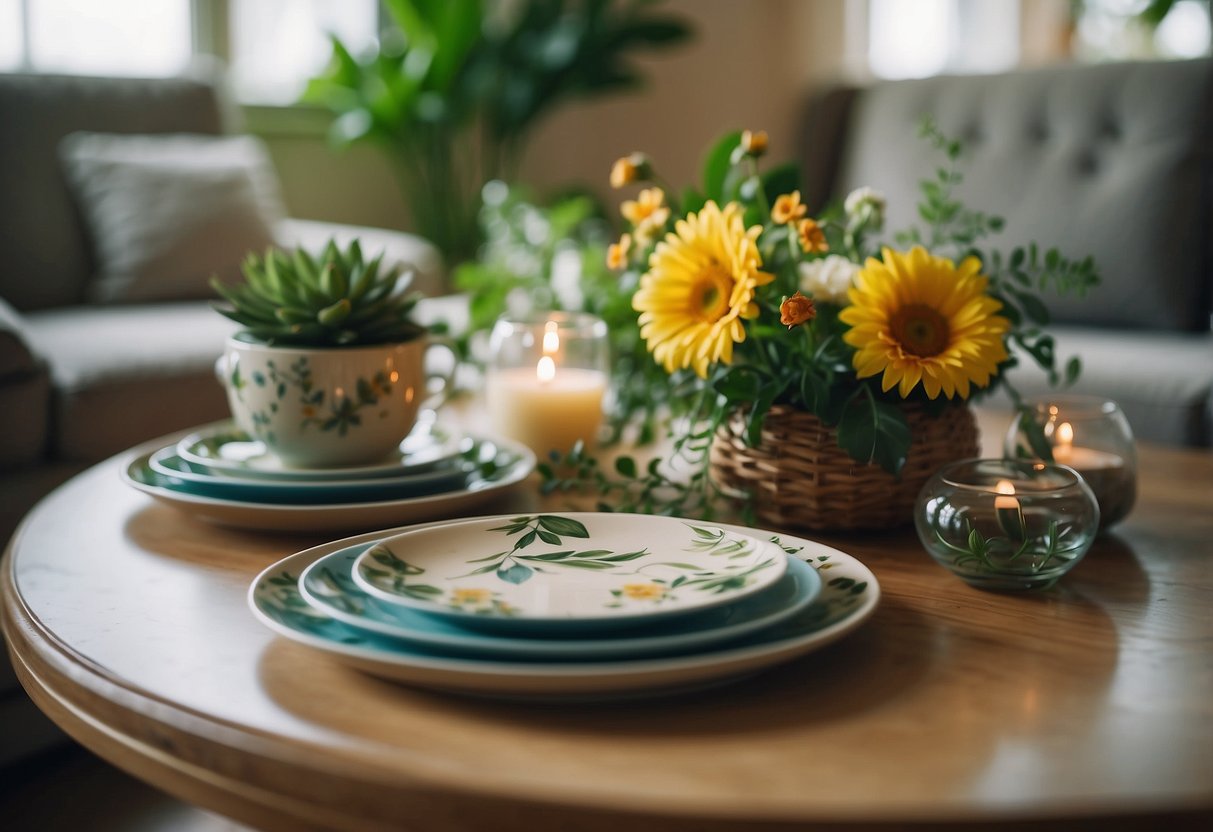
x=547, y=378
x=1006, y=524
x=1086, y=433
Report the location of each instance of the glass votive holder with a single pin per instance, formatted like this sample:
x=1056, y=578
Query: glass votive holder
x=1006, y=524
x=1086, y=433
x=547, y=378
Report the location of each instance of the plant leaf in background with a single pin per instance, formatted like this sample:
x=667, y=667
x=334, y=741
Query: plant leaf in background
x=456, y=86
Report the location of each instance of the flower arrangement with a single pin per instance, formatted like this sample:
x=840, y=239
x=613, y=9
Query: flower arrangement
x=748, y=301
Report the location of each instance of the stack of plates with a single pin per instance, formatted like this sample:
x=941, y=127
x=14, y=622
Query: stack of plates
x=577, y=604
x=221, y=474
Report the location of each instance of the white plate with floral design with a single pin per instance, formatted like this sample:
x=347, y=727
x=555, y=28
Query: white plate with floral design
x=500, y=465
x=849, y=597
x=568, y=572
x=327, y=585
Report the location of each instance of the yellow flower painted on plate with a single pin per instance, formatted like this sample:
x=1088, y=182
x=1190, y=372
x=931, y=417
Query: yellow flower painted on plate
x=644, y=592
x=919, y=318
x=699, y=286
x=470, y=597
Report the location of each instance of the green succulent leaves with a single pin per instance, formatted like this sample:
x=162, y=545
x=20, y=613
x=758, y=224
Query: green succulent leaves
x=335, y=299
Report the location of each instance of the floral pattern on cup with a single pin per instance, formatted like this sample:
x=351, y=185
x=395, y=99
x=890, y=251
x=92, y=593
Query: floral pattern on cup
x=316, y=408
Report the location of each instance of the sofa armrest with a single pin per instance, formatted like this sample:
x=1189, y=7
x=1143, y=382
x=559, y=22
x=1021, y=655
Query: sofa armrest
x=24, y=392
x=16, y=356
x=406, y=250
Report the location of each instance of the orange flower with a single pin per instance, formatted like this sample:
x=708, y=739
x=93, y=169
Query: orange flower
x=788, y=208
x=812, y=238
x=647, y=208
x=617, y=253
x=630, y=169
x=796, y=310
x=754, y=143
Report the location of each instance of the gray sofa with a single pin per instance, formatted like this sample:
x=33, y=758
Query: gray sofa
x=82, y=380
x=1110, y=160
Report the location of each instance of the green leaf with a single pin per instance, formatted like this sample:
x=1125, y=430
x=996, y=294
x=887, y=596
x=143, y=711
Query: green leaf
x=1073, y=370
x=782, y=179
x=626, y=466
x=716, y=166
x=564, y=526
x=872, y=431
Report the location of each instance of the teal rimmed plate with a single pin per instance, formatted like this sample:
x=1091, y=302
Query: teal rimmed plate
x=500, y=464
x=225, y=450
x=326, y=584
x=569, y=572
x=167, y=463
x=849, y=597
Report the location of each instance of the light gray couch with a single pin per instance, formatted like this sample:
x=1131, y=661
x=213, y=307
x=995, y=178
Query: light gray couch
x=80, y=381
x=1111, y=160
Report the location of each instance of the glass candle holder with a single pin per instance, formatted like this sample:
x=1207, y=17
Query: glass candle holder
x=1006, y=524
x=1090, y=435
x=547, y=379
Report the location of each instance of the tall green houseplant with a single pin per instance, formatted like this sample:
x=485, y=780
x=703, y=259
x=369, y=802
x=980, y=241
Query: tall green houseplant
x=456, y=86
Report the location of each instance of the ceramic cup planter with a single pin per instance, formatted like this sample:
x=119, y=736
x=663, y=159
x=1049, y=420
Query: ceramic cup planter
x=322, y=407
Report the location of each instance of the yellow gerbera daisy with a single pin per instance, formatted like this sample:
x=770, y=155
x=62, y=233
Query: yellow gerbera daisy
x=916, y=317
x=699, y=285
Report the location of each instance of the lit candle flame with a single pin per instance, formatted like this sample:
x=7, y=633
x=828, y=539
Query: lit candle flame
x=545, y=370
x=1008, y=510
x=1065, y=434
x=1006, y=496
x=551, y=338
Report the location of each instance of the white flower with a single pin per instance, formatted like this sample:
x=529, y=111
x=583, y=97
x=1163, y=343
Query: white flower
x=865, y=206
x=827, y=280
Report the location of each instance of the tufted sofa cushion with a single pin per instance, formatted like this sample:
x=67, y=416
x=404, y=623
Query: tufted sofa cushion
x=1110, y=160
x=42, y=233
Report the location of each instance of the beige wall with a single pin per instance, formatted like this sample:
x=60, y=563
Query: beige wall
x=748, y=66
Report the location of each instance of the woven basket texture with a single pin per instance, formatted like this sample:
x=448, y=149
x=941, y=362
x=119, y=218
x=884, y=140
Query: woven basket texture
x=800, y=478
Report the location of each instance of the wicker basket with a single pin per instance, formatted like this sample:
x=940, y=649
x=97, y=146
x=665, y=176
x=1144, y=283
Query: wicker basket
x=800, y=478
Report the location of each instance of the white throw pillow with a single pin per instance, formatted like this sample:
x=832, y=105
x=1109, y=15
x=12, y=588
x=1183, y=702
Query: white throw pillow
x=167, y=212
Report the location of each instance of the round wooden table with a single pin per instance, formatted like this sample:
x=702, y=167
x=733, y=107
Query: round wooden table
x=1088, y=703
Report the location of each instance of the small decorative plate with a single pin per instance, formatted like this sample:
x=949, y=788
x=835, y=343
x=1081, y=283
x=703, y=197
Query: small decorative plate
x=560, y=573
x=167, y=463
x=224, y=449
x=500, y=465
x=849, y=597
x=326, y=585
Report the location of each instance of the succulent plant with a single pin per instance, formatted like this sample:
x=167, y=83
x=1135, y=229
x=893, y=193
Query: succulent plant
x=334, y=300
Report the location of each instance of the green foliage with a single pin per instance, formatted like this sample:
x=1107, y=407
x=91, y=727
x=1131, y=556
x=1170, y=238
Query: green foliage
x=456, y=86
x=809, y=367
x=529, y=250
x=334, y=300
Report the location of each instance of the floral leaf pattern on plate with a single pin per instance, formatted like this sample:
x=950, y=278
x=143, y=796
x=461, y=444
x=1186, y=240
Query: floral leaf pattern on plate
x=570, y=567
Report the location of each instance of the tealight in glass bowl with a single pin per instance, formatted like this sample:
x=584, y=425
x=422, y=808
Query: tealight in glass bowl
x=547, y=378
x=1006, y=524
x=1087, y=433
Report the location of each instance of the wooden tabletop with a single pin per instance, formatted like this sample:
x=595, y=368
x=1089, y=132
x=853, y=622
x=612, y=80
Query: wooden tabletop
x=127, y=623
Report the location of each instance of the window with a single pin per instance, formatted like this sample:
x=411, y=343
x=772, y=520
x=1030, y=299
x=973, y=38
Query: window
x=118, y=37
x=272, y=46
x=917, y=38
x=276, y=45
x=1117, y=30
